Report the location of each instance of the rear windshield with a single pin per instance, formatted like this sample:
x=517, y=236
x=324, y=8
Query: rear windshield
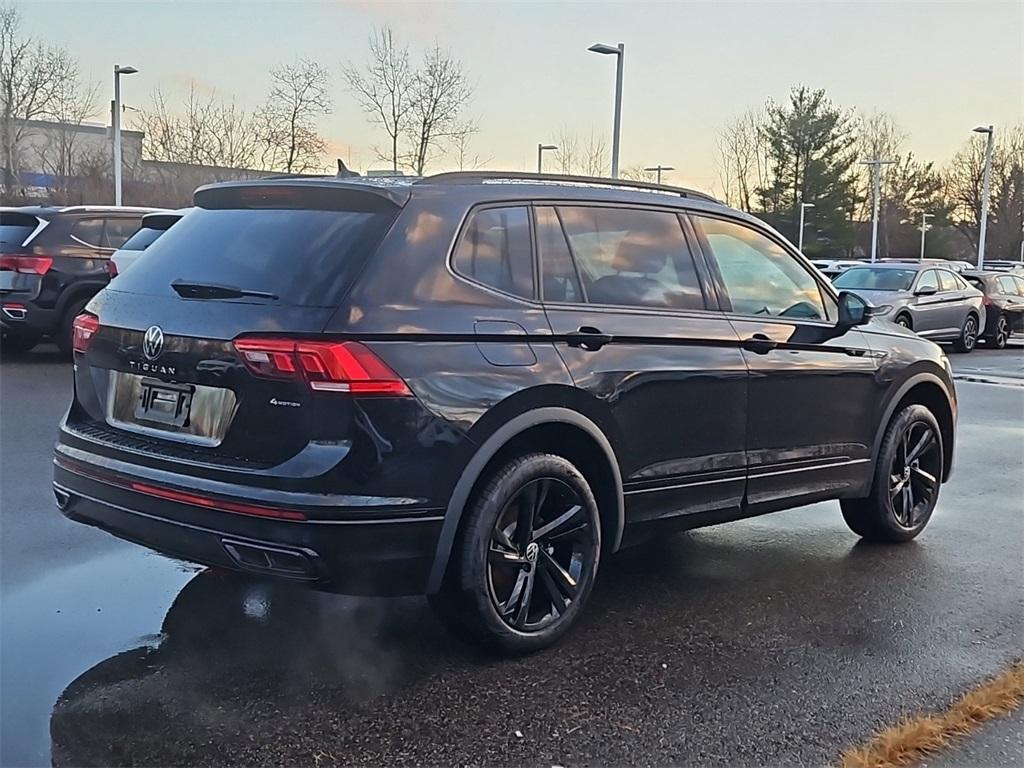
x=876, y=279
x=304, y=257
x=142, y=239
x=15, y=229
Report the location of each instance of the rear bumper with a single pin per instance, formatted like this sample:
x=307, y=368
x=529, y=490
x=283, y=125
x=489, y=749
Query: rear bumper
x=379, y=556
x=20, y=315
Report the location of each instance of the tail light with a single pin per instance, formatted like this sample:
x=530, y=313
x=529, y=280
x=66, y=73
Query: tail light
x=26, y=265
x=111, y=268
x=326, y=366
x=986, y=300
x=83, y=329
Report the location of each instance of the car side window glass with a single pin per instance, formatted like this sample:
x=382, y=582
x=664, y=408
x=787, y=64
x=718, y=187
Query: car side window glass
x=119, y=230
x=495, y=250
x=928, y=280
x=1020, y=285
x=760, y=276
x=559, y=281
x=88, y=232
x=632, y=257
x=948, y=281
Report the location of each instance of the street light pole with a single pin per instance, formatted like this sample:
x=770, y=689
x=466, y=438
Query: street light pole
x=659, y=168
x=985, y=184
x=876, y=168
x=116, y=127
x=541, y=148
x=800, y=237
x=924, y=228
x=619, y=51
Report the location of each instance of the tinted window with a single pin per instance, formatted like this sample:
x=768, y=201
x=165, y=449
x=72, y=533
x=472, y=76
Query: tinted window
x=305, y=257
x=1006, y=285
x=630, y=257
x=876, y=279
x=928, y=280
x=495, y=250
x=142, y=239
x=947, y=281
x=119, y=230
x=15, y=229
x=88, y=231
x=560, y=281
x=760, y=277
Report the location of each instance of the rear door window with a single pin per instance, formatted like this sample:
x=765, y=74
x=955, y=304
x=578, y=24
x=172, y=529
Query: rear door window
x=495, y=250
x=88, y=232
x=560, y=281
x=947, y=281
x=118, y=231
x=304, y=257
x=632, y=257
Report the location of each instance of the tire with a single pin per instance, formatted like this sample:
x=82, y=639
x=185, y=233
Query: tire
x=1000, y=335
x=65, y=331
x=883, y=516
x=518, y=592
x=17, y=343
x=968, y=337
x=904, y=321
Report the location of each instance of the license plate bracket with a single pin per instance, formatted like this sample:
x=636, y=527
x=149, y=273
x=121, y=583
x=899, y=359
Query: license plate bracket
x=163, y=403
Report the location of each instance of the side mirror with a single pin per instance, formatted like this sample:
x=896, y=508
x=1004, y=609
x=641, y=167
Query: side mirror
x=926, y=290
x=853, y=310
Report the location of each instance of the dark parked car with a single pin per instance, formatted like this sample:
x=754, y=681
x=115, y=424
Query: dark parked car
x=47, y=278
x=934, y=302
x=478, y=386
x=1004, y=305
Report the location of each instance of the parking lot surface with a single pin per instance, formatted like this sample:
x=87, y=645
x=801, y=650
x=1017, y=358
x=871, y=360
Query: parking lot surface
x=773, y=641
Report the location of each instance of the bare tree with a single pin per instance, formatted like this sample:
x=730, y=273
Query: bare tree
x=287, y=120
x=743, y=163
x=31, y=75
x=638, y=173
x=205, y=131
x=385, y=89
x=582, y=157
x=963, y=181
x=460, y=149
x=440, y=94
x=73, y=103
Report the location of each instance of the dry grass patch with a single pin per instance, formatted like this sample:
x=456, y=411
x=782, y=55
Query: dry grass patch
x=919, y=736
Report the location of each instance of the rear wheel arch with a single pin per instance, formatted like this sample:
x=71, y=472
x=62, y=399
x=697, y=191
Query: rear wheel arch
x=558, y=430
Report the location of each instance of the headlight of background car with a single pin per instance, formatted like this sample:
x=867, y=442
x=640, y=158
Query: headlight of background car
x=885, y=309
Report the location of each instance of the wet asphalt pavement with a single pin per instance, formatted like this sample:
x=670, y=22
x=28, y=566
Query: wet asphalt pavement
x=773, y=641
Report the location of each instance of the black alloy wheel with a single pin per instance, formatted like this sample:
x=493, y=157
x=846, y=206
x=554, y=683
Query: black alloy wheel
x=542, y=547
x=1001, y=335
x=914, y=474
x=968, y=335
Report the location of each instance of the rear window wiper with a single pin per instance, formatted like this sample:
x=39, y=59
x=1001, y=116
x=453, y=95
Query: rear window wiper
x=209, y=291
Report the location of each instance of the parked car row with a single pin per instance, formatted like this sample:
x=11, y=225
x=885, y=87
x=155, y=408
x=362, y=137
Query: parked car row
x=478, y=385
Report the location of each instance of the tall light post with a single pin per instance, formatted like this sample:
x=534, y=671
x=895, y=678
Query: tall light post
x=924, y=228
x=118, y=71
x=876, y=169
x=541, y=149
x=800, y=237
x=985, y=184
x=659, y=168
x=618, y=51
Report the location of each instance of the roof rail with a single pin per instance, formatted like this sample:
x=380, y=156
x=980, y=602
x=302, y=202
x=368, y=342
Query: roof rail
x=454, y=177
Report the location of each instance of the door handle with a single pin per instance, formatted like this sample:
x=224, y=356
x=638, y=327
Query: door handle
x=588, y=338
x=760, y=344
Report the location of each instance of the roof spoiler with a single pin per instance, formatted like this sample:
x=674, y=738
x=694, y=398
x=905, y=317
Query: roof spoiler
x=326, y=192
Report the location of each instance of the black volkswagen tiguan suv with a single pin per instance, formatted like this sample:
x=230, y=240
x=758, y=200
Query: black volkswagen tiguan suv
x=477, y=386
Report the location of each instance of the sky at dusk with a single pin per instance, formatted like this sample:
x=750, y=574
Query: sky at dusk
x=939, y=68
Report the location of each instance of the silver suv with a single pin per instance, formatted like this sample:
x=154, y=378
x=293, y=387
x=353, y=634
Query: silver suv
x=935, y=302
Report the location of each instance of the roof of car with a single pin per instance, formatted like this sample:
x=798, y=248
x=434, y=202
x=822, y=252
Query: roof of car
x=499, y=184
x=918, y=265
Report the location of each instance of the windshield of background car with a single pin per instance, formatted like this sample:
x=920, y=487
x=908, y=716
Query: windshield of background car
x=876, y=279
x=142, y=239
x=304, y=257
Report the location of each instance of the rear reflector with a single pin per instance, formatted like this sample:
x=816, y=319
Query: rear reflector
x=26, y=265
x=83, y=329
x=220, y=505
x=111, y=268
x=327, y=366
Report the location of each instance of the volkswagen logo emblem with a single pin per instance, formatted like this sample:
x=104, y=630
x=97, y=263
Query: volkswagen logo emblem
x=153, y=342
